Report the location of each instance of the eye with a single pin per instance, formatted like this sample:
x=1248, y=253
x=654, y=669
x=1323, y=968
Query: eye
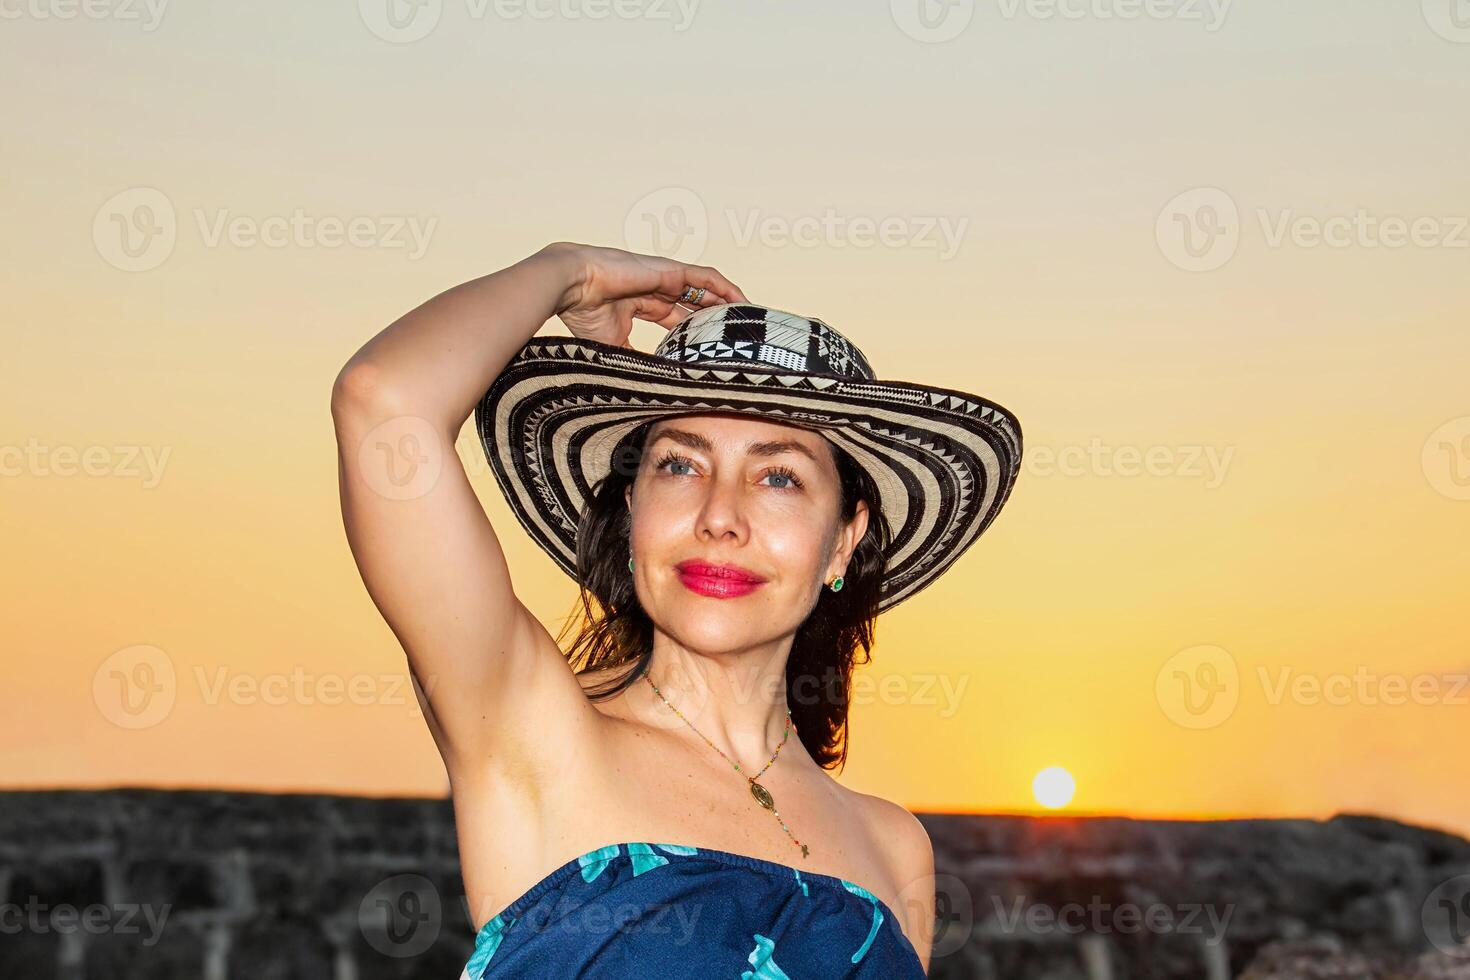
x=787, y=475
x=672, y=457
x=793, y=482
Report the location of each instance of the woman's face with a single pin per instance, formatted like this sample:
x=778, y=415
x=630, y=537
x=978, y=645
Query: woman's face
x=725, y=489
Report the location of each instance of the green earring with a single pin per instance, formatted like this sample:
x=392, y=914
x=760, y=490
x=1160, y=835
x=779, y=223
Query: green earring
x=630, y=564
x=836, y=584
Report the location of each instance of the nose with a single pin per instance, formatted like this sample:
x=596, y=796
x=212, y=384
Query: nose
x=723, y=513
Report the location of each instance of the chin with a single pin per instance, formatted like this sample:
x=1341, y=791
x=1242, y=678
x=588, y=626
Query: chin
x=709, y=632
x=716, y=626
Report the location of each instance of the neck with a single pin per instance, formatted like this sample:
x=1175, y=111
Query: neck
x=736, y=700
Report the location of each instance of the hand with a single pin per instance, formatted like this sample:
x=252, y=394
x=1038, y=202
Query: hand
x=616, y=286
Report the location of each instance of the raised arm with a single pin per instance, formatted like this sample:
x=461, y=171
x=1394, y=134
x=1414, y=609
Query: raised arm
x=426, y=551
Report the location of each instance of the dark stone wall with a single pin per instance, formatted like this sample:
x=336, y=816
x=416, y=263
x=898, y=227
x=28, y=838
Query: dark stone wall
x=229, y=886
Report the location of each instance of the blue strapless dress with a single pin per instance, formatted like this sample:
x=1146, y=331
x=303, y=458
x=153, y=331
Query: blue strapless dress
x=663, y=911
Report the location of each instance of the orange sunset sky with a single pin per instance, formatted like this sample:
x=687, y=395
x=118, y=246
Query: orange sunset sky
x=1215, y=260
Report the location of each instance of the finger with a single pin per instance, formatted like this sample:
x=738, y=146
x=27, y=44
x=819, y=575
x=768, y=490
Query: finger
x=659, y=309
x=715, y=282
x=682, y=277
x=681, y=308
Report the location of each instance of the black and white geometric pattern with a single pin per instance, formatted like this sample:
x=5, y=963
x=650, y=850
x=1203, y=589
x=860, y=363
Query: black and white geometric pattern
x=741, y=333
x=944, y=461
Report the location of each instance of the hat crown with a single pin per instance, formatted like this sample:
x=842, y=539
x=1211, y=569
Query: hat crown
x=750, y=335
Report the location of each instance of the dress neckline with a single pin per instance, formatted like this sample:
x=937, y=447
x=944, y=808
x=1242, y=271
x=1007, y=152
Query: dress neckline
x=748, y=861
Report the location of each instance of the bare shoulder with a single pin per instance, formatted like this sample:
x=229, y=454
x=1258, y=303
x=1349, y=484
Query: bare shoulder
x=910, y=855
x=903, y=834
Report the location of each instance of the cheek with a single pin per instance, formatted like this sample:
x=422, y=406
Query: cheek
x=660, y=522
x=796, y=546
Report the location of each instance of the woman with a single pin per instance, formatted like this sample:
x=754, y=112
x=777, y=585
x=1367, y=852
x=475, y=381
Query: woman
x=741, y=503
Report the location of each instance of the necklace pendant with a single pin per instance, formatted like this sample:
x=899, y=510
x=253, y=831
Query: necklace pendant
x=803, y=850
x=761, y=794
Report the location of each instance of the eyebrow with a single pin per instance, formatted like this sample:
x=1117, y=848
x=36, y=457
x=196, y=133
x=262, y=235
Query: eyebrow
x=773, y=447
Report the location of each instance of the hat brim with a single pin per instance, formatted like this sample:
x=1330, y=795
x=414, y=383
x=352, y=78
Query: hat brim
x=944, y=461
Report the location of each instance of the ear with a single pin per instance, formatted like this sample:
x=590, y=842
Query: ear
x=852, y=533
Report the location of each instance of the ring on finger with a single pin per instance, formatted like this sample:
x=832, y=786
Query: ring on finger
x=691, y=295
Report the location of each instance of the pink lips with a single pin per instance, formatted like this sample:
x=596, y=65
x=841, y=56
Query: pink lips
x=718, y=581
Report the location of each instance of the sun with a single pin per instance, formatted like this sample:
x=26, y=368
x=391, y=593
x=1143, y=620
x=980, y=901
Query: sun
x=1053, y=787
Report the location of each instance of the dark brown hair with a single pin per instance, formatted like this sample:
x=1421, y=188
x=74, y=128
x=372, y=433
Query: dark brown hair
x=615, y=630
